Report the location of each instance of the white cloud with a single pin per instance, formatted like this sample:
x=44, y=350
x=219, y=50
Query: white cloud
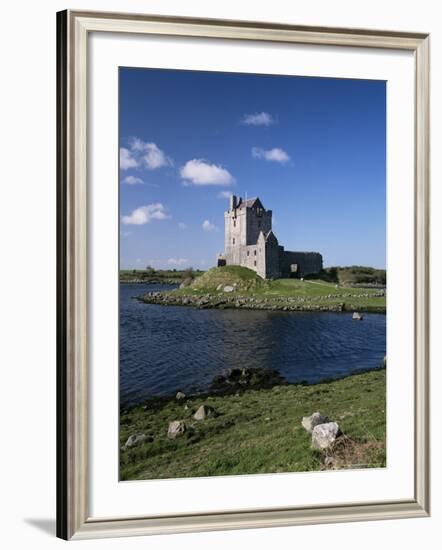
x=154, y=157
x=275, y=154
x=127, y=160
x=136, y=144
x=144, y=214
x=258, y=119
x=200, y=172
x=182, y=226
x=208, y=226
x=224, y=194
x=177, y=261
x=132, y=180
x=143, y=153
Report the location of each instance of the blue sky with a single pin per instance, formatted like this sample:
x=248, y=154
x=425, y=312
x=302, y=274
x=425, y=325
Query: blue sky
x=312, y=149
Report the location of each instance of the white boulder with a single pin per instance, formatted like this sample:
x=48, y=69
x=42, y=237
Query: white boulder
x=324, y=435
x=203, y=412
x=134, y=439
x=309, y=422
x=228, y=288
x=176, y=429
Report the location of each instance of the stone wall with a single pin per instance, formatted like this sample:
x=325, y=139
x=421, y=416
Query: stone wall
x=273, y=267
x=305, y=262
x=251, y=257
x=235, y=236
x=257, y=220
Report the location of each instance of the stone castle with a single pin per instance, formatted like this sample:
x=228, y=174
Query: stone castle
x=250, y=242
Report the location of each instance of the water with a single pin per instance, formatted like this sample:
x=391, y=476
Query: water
x=166, y=348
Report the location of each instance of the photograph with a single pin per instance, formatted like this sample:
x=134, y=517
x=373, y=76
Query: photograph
x=252, y=276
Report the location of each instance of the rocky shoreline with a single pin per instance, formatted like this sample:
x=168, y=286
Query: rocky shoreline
x=277, y=303
x=236, y=381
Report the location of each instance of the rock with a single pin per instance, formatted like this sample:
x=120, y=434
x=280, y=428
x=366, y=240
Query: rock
x=244, y=378
x=203, y=412
x=176, y=429
x=228, y=288
x=135, y=439
x=218, y=379
x=324, y=435
x=357, y=316
x=180, y=396
x=234, y=374
x=329, y=461
x=310, y=422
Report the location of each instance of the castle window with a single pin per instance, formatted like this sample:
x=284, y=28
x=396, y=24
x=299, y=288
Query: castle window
x=254, y=263
x=248, y=252
x=254, y=252
x=234, y=223
x=233, y=240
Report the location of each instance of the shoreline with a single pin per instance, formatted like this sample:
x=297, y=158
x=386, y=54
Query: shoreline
x=158, y=401
x=342, y=303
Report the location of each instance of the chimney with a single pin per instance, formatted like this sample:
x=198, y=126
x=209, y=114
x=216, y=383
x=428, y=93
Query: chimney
x=233, y=202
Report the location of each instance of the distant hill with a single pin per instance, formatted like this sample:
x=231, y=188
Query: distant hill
x=165, y=276
x=353, y=275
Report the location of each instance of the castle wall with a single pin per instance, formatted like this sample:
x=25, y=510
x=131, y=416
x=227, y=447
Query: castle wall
x=272, y=270
x=235, y=236
x=255, y=258
x=258, y=220
x=306, y=262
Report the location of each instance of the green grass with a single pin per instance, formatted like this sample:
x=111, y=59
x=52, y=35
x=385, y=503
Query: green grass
x=353, y=275
x=258, y=431
x=242, y=278
x=311, y=292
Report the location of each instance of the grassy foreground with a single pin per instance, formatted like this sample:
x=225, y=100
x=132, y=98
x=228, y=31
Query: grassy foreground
x=258, y=431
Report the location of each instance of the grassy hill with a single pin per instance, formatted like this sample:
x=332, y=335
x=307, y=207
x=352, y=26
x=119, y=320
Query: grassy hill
x=240, y=278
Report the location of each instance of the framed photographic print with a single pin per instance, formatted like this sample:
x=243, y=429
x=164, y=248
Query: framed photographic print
x=242, y=275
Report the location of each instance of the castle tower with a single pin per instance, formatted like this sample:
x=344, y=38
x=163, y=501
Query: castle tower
x=244, y=222
x=250, y=242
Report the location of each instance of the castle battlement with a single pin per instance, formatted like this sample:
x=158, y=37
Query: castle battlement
x=249, y=241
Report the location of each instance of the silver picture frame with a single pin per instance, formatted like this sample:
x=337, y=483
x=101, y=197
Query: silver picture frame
x=73, y=517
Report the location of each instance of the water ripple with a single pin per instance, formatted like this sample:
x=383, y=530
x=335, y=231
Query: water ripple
x=163, y=349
